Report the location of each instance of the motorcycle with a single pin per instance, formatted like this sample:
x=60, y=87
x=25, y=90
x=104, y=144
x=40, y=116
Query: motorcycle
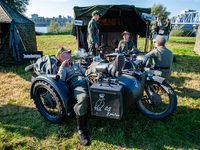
x=109, y=96
x=159, y=100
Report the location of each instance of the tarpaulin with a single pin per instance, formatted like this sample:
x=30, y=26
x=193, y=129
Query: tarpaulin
x=15, y=41
x=84, y=13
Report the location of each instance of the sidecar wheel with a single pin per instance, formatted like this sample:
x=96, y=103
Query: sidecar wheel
x=48, y=102
x=165, y=100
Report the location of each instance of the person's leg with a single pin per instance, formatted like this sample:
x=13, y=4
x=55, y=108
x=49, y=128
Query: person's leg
x=82, y=129
x=92, y=49
x=114, y=68
x=80, y=92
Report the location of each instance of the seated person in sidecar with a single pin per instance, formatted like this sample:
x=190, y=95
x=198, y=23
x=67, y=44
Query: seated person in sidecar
x=126, y=45
x=74, y=74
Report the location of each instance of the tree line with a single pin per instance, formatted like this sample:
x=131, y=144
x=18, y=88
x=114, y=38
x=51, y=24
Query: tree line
x=20, y=5
x=55, y=27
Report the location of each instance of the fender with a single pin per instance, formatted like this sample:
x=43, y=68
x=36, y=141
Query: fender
x=155, y=78
x=60, y=87
x=133, y=90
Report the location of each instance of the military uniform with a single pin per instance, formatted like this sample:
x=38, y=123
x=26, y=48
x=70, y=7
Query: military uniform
x=167, y=28
x=74, y=76
x=127, y=46
x=154, y=27
x=93, y=36
x=163, y=58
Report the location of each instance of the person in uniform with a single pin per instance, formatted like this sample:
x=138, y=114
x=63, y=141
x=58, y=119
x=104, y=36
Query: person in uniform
x=159, y=24
x=93, y=33
x=154, y=27
x=74, y=74
x=162, y=57
x=126, y=45
x=167, y=27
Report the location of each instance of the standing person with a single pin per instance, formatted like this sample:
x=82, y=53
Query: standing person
x=162, y=57
x=153, y=27
x=167, y=27
x=74, y=74
x=127, y=45
x=159, y=24
x=93, y=33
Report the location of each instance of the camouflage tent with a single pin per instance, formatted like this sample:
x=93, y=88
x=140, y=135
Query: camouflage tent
x=114, y=20
x=25, y=27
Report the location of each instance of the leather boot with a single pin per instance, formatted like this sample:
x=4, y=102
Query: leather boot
x=82, y=130
x=113, y=68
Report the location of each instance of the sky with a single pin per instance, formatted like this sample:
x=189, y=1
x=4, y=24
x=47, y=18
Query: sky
x=54, y=8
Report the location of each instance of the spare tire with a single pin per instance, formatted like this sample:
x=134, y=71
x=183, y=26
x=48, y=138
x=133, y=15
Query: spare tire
x=29, y=68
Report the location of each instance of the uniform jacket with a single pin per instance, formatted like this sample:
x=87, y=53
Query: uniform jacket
x=126, y=45
x=167, y=27
x=154, y=25
x=68, y=72
x=93, y=35
x=162, y=57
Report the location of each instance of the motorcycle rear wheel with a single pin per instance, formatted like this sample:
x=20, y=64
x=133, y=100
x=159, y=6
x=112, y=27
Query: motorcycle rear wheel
x=164, y=97
x=48, y=102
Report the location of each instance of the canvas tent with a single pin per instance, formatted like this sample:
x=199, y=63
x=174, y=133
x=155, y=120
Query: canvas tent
x=114, y=20
x=25, y=28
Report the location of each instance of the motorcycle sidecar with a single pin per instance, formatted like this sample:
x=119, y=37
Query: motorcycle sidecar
x=54, y=100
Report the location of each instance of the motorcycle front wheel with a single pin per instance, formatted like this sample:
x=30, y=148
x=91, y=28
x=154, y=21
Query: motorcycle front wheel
x=48, y=102
x=163, y=100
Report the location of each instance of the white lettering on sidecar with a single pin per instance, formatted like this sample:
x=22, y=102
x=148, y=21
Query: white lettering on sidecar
x=108, y=109
x=100, y=102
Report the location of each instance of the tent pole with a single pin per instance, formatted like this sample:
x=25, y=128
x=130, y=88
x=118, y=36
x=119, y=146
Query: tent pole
x=147, y=30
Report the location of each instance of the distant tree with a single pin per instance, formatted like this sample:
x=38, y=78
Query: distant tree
x=54, y=27
x=18, y=5
x=69, y=26
x=160, y=11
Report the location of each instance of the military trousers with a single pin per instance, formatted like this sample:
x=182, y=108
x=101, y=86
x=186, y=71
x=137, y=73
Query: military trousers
x=92, y=49
x=153, y=32
x=165, y=73
x=79, y=89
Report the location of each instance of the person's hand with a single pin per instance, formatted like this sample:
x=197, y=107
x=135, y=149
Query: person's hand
x=151, y=68
x=96, y=45
x=66, y=63
x=89, y=66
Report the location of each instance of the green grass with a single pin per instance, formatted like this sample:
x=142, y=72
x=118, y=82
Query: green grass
x=182, y=40
x=22, y=127
x=49, y=44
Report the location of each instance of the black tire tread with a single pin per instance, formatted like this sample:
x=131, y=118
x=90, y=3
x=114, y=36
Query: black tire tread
x=62, y=116
x=170, y=110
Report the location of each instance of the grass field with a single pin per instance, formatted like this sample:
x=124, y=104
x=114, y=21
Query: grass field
x=22, y=127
